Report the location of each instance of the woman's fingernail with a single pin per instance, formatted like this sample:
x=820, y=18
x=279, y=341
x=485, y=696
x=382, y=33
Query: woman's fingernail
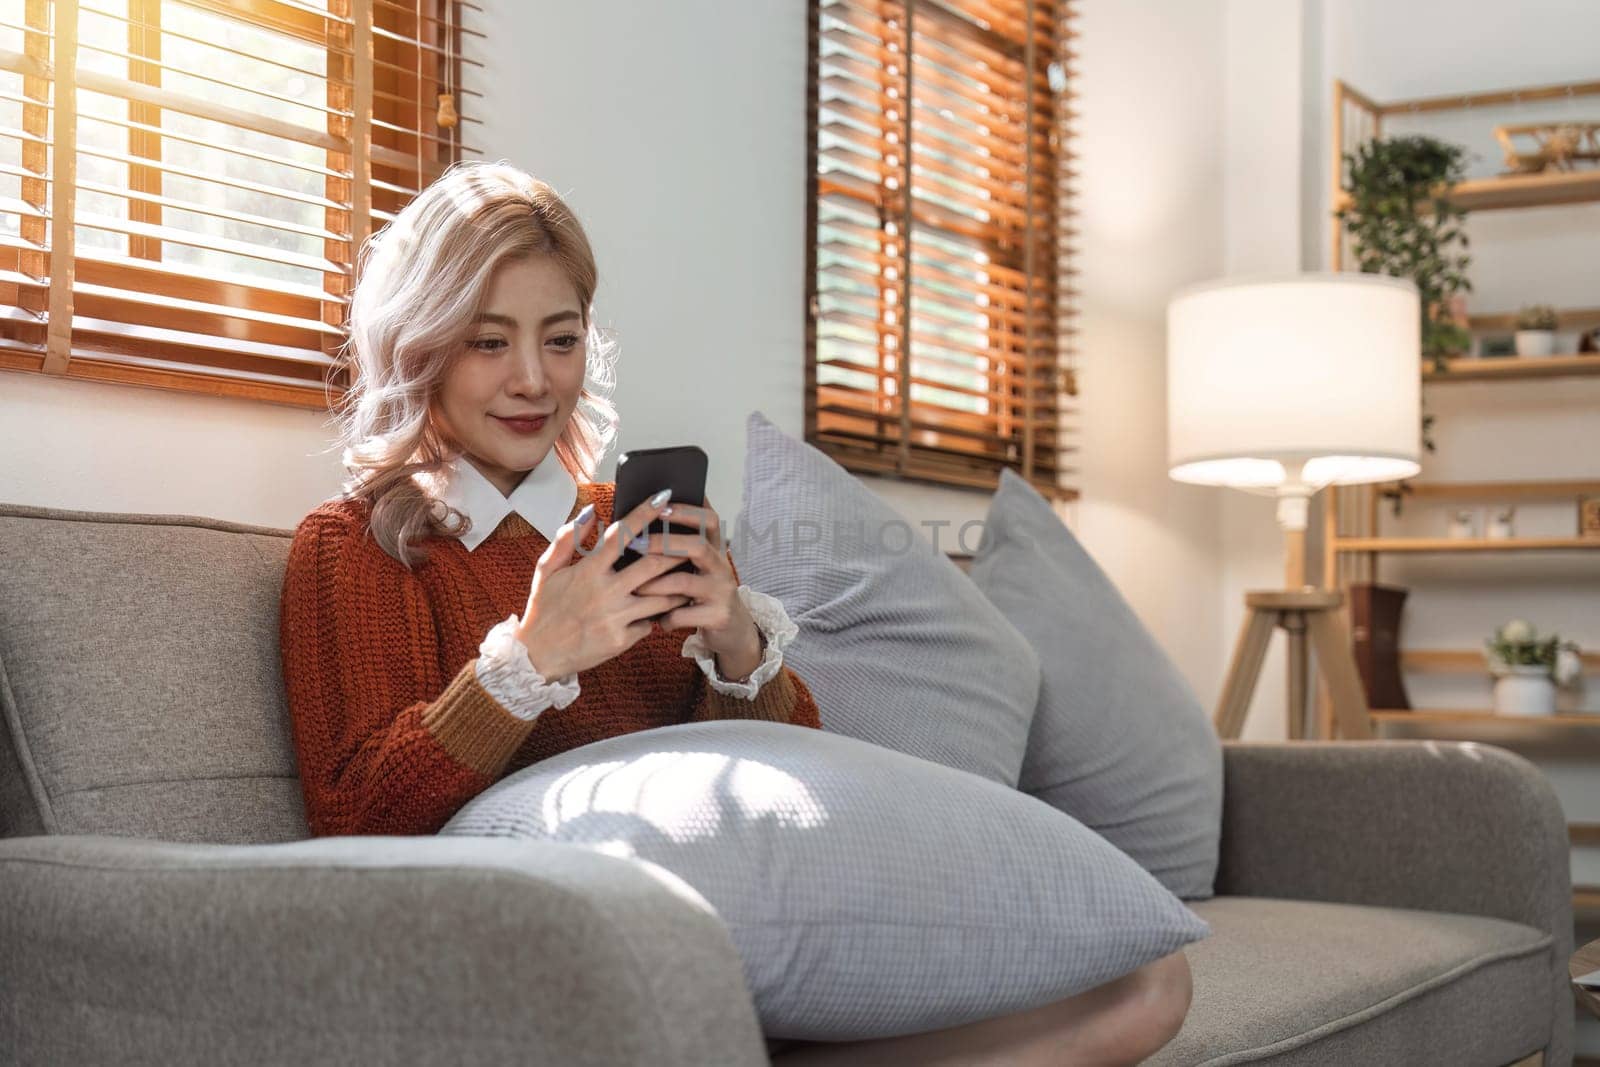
x=585, y=515
x=661, y=498
x=640, y=543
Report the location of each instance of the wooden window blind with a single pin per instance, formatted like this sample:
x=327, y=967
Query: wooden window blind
x=939, y=231
x=185, y=184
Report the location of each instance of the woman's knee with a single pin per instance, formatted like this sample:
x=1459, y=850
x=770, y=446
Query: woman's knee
x=1158, y=1003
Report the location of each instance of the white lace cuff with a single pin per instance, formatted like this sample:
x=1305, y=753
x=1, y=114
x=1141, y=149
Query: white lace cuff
x=775, y=625
x=505, y=670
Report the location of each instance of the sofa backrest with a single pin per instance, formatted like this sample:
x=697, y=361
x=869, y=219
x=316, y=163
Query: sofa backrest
x=140, y=684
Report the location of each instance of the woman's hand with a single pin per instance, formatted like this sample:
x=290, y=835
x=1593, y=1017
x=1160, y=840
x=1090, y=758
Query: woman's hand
x=580, y=611
x=725, y=624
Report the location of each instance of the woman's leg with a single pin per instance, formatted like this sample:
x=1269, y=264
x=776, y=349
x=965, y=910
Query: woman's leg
x=1121, y=1022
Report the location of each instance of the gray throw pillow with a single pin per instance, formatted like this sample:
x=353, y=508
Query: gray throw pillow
x=868, y=893
x=896, y=644
x=1119, y=739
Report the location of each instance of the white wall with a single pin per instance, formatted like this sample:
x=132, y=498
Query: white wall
x=1150, y=213
x=1262, y=120
x=677, y=132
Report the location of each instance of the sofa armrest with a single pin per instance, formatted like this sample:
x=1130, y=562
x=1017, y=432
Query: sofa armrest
x=1435, y=825
x=459, y=950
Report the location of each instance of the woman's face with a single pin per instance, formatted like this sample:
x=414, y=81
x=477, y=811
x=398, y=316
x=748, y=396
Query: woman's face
x=524, y=358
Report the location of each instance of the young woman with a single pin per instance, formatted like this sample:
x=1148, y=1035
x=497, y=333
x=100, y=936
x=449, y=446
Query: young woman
x=453, y=615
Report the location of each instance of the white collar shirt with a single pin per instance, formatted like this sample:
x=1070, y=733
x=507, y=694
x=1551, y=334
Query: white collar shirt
x=544, y=497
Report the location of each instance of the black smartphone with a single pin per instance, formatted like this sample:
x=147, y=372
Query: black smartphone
x=641, y=473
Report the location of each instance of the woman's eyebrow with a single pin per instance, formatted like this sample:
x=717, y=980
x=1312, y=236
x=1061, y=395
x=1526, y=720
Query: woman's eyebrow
x=511, y=321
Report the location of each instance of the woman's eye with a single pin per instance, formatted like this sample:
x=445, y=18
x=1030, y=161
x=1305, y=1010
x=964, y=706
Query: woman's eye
x=482, y=344
x=566, y=341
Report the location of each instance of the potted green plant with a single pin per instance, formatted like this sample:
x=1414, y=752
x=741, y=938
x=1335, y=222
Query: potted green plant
x=1403, y=223
x=1536, y=330
x=1527, y=668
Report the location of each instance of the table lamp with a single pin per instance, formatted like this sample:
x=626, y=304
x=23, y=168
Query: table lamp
x=1281, y=385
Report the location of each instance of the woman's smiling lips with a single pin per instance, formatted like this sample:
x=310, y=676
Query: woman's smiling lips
x=523, y=426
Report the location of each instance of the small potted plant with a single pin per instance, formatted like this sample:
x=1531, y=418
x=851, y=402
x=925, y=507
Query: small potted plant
x=1536, y=330
x=1527, y=668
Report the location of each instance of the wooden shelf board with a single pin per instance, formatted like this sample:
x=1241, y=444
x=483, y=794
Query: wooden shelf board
x=1566, y=319
x=1463, y=661
x=1503, y=191
x=1534, y=490
x=1567, y=735
x=1583, y=833
x=1512, y=368
x=1586, y=898
x=1527, y=190
x=1462, y=544
x=1583, y=719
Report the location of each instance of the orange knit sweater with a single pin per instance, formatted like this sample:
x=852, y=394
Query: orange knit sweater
x=391, y=727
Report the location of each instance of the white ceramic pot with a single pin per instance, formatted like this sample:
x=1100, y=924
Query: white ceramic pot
x=1536, y=342
x=1525, y=691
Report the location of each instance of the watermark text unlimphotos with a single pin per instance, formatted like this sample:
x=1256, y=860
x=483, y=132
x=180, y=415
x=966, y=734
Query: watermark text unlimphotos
x=834, y=538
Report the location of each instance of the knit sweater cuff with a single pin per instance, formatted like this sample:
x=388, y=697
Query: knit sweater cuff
x=473, y=726
x=775, y=702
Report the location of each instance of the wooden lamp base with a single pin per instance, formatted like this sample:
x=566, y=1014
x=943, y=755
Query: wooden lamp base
x=1298, y=612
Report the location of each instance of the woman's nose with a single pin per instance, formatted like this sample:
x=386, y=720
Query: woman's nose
x=528, y=375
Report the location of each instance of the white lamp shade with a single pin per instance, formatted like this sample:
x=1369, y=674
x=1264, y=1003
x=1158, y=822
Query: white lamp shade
x=1267, y=373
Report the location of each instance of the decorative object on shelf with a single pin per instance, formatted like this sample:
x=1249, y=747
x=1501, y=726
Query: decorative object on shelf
x=1536, y=330
x=1464, y=524
x=1403, y=223
x=1555, y=145
x=447, y=117
x=1589, y=341
x=1281, y=385
x=1527, y=668
x=1375, y=638
x=1589, y=516
x=1495, y=347
x=1500, y=527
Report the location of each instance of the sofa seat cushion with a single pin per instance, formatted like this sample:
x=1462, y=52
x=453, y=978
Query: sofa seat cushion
x=1308, y=982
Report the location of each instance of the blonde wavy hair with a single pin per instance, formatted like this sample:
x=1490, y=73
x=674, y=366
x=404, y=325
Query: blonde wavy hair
x=421, y=282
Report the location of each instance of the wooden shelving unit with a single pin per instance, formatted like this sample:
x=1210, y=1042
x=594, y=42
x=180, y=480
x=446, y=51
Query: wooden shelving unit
x=1586, y=903
x=1568, y=735
x=1520, y=190
x=1514, y=368
x=1547, y=490
x=1473, y=544
x=1570, y=319
x=1360, y=115
x=1464, y=661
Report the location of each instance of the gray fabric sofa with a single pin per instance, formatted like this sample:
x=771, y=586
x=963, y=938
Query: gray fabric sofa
x=1378, y=902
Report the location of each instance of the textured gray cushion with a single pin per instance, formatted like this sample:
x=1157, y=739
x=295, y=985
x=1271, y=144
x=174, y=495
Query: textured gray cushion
x=869, y=893
x=1119, y=739
x=896, y=644
x=140, y=683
